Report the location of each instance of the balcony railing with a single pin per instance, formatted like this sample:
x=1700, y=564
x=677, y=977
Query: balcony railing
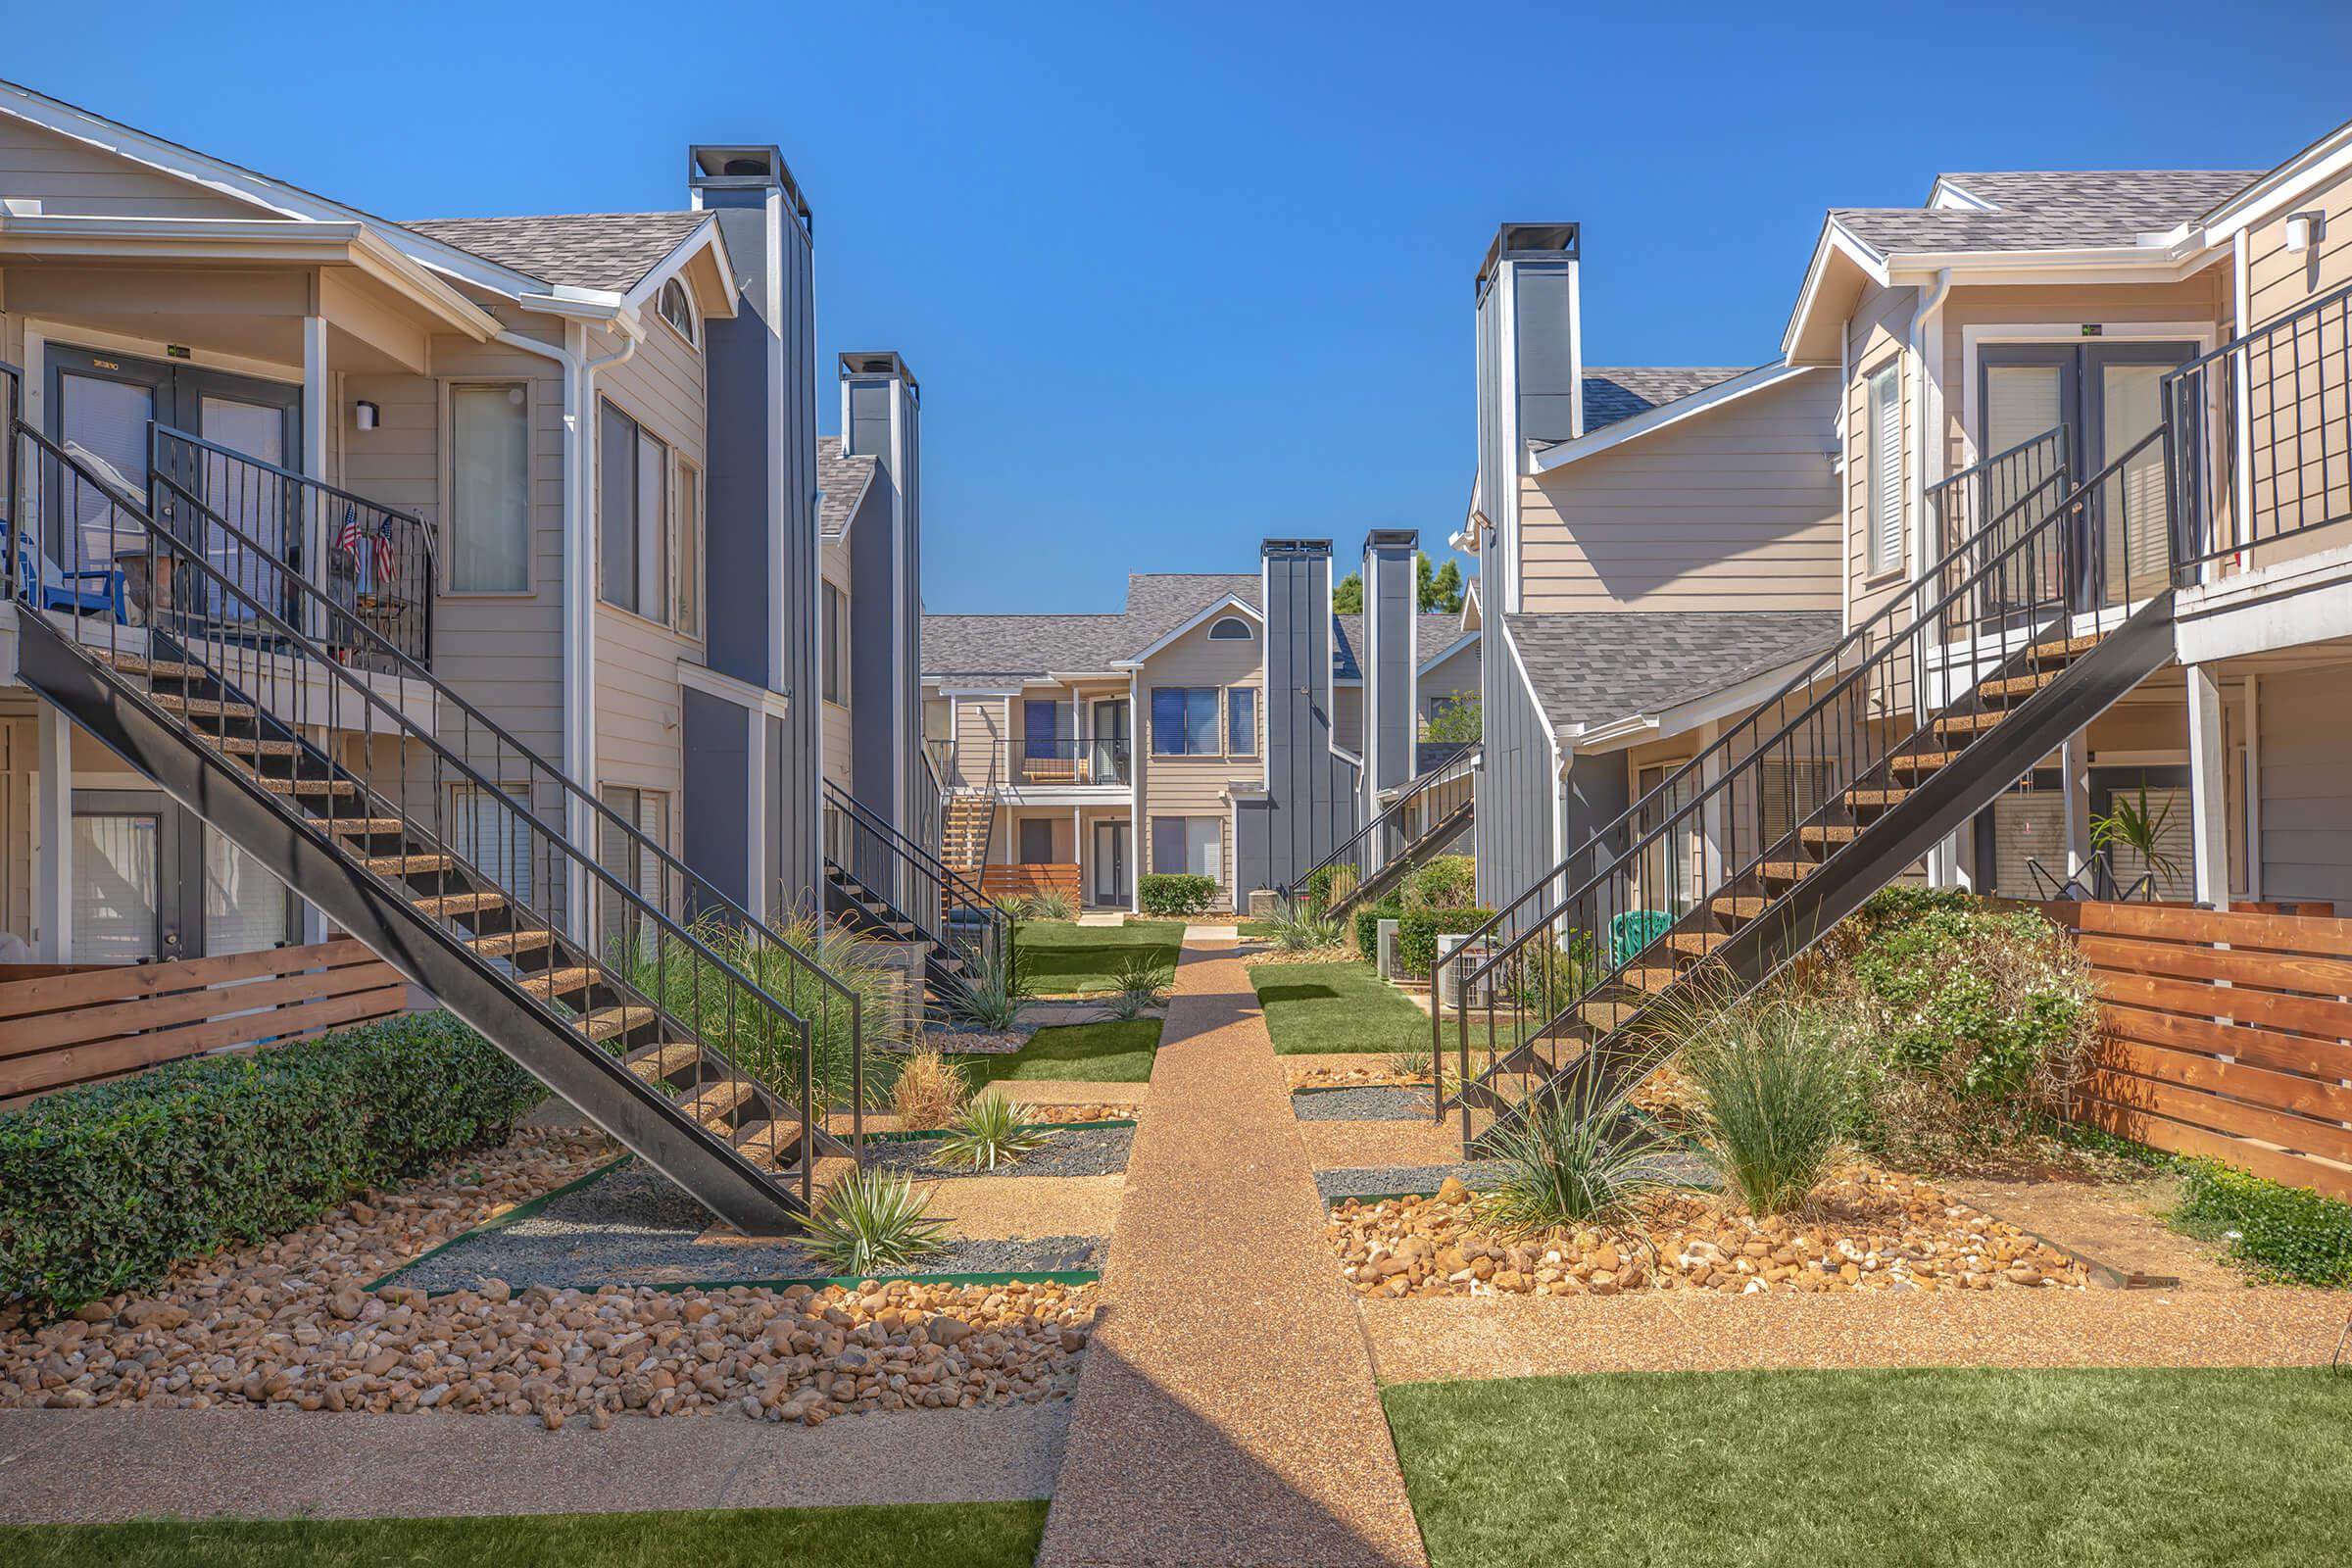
x=1057, y=763
x=2262, y=441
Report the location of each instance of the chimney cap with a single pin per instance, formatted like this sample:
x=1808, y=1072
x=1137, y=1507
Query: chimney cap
x=879, y=361
x=1551, y=241
x=1393, y=539
x=743, y=165
x=1295, y=547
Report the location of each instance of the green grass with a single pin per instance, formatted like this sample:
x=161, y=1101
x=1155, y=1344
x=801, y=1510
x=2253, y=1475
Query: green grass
x=1316, y=1007
x=1058, y=958
x=1076, y=1053
x=985, y=1535
x=1940, y=1467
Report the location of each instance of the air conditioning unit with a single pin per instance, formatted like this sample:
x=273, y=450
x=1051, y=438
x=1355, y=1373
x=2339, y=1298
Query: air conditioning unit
x=1480, y=990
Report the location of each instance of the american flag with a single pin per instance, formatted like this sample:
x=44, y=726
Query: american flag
x=348, y=538
x=386, y=558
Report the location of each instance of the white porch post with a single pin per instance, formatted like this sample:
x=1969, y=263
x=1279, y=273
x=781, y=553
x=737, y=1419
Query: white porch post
x=2074, y=765
x=757, y=892
x=53, y=840
x=2207, y=764
x=317, y=407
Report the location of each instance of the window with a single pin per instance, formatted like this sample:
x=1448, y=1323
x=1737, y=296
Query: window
x=633, y=493
x=487, y=831
x=1037, y=841
x=689, y=618
x=1230, y=629
x=677, y=309
x=489, y=492
x=115, y=865
x=1184, y=721
x=631, y=859
x=1885, y=499
x=834, y=627
x=1194, y=844
x=1241, y=721
x=245, y=908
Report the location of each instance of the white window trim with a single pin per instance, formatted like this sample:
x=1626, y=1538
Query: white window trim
x=692, y=331
x=1878, y=529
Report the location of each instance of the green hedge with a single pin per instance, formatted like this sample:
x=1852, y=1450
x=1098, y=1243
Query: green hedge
x=103, y=1189
x=1418, y=930
x=1176, y=893
x=1367, y=928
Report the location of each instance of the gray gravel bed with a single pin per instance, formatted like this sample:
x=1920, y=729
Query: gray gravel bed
x=633, y=1227
x=1373, y=1102
x=1335, y=1185
x=1083, y=1152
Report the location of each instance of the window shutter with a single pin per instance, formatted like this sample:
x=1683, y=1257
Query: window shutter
x=1886, y=469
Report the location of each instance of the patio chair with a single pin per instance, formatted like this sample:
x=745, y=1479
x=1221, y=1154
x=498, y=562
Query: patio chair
x=45, y=585
x=1633, y=930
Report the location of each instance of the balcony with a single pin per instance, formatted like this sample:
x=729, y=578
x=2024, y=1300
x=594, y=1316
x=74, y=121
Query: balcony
x=1022, y=767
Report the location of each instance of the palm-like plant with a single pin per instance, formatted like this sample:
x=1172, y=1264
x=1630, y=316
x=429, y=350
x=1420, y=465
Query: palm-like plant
x=988, y=1132
x=870, y=1222
x=2134, y=826
x=1576, y=1158
x=986, y=995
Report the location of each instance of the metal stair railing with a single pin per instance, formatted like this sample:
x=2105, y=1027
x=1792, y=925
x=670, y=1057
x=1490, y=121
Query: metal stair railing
x=375, y=565
x=1782, y=792
x=879, y=859
x=420, y=763
x=1422, y=804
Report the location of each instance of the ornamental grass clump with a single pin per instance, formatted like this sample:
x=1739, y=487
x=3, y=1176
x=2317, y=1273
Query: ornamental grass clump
x=1052, y=904
x=1300, y=927
x=1777, y=1087
x=1578, y=1157
x=1143, y=984
x=987, y=995
x=989, y=1132
x=872, y=1222
x=930, y=1089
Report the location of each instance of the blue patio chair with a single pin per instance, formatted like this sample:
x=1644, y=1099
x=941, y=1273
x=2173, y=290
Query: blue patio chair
x=44, y=585
x=1633, y=930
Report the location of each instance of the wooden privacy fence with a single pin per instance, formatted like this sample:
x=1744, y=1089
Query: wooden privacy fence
x=2227, y=1035
x=86, y=1025
x=1028, y=881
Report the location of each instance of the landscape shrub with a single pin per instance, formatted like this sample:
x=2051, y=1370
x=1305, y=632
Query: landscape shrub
x=986, y=995
x=1449, y=882
x=989, y=1132
x=1300, y=927
x=1330, y=884
x=1575, y=1160
x=928, y=1093
x=1418, y=930
x=870, y=1222
x=1176, y=894
x=1140, y=983
x=1548, y=976
x=1975, y=1025
x=1367, y=928
x=104, y=1188
x=1777, y=1087
x=2284, y=1233
x=1051, y=903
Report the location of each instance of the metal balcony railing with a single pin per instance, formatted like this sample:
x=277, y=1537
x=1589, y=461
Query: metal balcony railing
x=1039, y=764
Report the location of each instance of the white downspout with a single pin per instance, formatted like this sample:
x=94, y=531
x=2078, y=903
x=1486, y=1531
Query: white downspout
x=1943, y=861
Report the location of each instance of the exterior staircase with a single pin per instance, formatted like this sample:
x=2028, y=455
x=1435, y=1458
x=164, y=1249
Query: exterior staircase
x=969, y=822
x=888, y=887
x=1429, y=815
x=622, y=980
x=1927, y=709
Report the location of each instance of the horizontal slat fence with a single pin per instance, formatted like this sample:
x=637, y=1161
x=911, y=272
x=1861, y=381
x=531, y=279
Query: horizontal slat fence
x=89, y=1025
x=2227, y=1035
x=1028, y=881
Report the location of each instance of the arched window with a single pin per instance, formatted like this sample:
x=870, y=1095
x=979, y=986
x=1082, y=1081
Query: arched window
x=677, y=309
x=1230, y=629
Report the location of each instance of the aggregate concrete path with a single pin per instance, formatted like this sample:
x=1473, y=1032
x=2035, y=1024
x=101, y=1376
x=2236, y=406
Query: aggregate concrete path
x=88, y=1466
x=1226, y=1413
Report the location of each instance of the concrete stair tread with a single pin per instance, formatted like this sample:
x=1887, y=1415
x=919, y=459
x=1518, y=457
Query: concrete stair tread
x=1967, y=723
x=715, y=1102
x=2062, y=649
x=1877, y=797
x=1694, y=944
x=1923, y=761
x=151, y=666
x=2017, y=685
x=1787, y=870
x=505, y=944
x=604, y=1023
x=460, y=903
x=202, y=707
x=552, y=983
x=1741, y=906
x=356, y=826
x=407, y=864
x=342, y=788
x=1831, y=833
x=658, y=1063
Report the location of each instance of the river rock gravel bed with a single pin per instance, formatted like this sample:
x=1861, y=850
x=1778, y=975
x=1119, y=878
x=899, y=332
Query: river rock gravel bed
x=1864, y=1230
x=1369, y=1104
x=287, y=1325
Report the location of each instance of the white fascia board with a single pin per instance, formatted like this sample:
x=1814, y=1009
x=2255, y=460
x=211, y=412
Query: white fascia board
x=707, y=236
x=1835, y=243
x=1230, y=602
x=2292, y=603
x=742, y=693
x=2282, y=187
x=946, y=690
x=1527, y=685
x=1552, y=458
x=1948, y=197
x=2171, y=256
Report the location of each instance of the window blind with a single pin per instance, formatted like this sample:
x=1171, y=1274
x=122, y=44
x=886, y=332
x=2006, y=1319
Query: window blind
x=1886, y=469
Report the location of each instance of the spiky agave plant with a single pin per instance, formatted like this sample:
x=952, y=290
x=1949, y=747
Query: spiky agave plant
x=1050, y=905
x=1301, y=927
x=870, y=1222
x=1140, y=983
x=988, y=1132
x=1577, y=1157
x=986, y=995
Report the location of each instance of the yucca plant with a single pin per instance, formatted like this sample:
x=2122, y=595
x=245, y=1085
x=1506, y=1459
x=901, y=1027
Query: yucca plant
x=1142, y=984
x=1576, y=1158
x=683, y=980
x=1777, y=1090
x=1013, y=907
x=1301, y=927
x=987, y=995
x=2140, y=830
x=988, y=1132
x=1052, y=904
x=870, y=1222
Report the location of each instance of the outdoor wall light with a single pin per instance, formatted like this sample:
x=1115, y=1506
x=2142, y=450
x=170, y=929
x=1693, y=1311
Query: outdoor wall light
x=364, y=414
x=2302, y=228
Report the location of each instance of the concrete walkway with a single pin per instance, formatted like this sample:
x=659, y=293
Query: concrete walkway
x=1226, y=1414
x=88, y=1466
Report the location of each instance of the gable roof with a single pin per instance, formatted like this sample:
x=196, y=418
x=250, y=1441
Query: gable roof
x=610, y=252
x=2043, y=210
x=1436, y=635
x=1592, y=667
x=1010, y=648
x=1620, y=393
x=842, y=482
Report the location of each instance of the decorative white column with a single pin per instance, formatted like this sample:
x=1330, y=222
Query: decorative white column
x=2208, y=763
x=53, y=839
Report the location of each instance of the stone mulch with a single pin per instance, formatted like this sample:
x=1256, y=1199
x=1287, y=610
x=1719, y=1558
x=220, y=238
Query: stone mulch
x=1380, y=1180
x=1341, y=953
x=1309, y=1073
x=1372, y=1102
x=1864, y=1230
x=977, y=1042
x=1081, y=1151
x=287, y=1325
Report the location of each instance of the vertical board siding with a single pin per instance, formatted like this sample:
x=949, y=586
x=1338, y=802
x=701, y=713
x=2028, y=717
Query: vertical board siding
x=1518, y=785
x=2304, y=757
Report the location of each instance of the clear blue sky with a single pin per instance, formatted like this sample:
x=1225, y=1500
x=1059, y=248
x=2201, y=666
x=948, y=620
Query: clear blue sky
x=1174, y=282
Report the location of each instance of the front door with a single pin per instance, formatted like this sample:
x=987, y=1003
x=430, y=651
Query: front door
x=1111, y=724
x=2108, y=396
x=1110, y=865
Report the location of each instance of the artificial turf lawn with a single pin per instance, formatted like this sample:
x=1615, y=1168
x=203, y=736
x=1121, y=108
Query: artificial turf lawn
x=1316, y=1007
x=1106, y=1053
x=1905, y=1467
x=985, y=1535
x=1056, y=958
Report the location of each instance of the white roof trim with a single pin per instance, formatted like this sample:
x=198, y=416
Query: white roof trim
x=1834, y=242
x=1664, y=415
x=2322, y=161
x=707, y=235
x=1456, y=647
x=1230, y=602
x=1953, y=198
x=1527, y=686
x=1682, y=718
x=742, y=693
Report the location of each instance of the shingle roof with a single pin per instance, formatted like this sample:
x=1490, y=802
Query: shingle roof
x=609, y=251
x=843, y=481
x=1595, y=666
x=1437, y=634
x=1014, y=647
x=1620, y=393
x=2041, y=209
